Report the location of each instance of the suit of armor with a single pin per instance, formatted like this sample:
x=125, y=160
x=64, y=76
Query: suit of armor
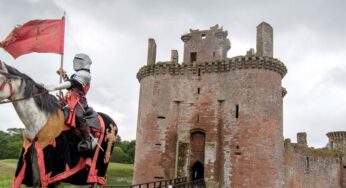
x=78, y=85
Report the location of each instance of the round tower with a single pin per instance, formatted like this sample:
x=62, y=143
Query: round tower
x=212, y=117
x=337, y=140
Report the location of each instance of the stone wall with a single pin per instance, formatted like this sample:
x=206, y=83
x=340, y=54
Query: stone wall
x=311, y=168
x=264, y=44
x=206, y=45
x=337, y=141
x=236, y=102
x=204, y=96
x=225, y=114
x=239, y=62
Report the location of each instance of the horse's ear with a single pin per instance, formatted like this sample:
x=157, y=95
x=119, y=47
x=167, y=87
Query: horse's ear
x=3, y=67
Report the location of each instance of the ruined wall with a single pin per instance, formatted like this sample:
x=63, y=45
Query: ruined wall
x=311, y=168
x=206, y=45
x=337, y=141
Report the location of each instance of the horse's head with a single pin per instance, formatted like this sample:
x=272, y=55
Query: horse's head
x=4, y=89
x=7, y=82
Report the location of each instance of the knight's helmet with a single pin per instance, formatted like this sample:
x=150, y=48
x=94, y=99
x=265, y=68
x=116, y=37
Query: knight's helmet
x=81, y=61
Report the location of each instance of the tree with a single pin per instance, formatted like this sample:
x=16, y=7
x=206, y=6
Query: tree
x=124, y=151
x=11, y=143
x=118, y=140
x=119, y=155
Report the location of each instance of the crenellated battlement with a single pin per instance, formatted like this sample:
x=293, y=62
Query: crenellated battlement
x=337, y=135
x=216, y=31
x=235, y=63
x=310, y=151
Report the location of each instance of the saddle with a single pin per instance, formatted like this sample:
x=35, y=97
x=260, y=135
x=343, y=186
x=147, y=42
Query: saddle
x=69, y=104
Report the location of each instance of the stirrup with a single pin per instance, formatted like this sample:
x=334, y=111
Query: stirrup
x=85, y=144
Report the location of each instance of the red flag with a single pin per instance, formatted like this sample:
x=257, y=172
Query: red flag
x=36, y=36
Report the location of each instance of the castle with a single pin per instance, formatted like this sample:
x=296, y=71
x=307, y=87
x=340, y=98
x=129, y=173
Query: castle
x=220, y=119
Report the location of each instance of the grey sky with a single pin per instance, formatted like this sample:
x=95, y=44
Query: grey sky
x=309, y=37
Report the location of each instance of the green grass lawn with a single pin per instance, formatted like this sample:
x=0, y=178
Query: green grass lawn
x=117, y=174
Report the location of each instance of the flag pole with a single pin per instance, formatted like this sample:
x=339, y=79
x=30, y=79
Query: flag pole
x=61, y=94
x=62, y=54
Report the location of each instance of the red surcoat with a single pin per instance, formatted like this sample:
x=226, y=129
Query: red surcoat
x=72, y=99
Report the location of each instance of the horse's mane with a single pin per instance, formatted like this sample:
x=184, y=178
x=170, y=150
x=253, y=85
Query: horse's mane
x=45, y=101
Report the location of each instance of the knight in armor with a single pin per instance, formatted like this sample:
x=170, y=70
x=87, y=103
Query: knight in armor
x=78, y=85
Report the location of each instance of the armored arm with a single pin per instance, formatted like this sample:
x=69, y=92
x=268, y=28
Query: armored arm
x=64, y=85
x=79, y=79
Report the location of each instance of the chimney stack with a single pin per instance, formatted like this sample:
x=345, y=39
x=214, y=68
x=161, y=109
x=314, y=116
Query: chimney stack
x=151, y=52
x=264, y=40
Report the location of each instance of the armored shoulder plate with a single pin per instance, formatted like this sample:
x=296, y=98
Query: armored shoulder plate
x=82, y=76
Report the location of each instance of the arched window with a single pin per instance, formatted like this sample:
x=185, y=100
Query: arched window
x=197, y=140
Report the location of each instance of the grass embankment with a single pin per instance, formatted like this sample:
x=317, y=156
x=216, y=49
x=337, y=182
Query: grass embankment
x=7, y=170
x=117, y=174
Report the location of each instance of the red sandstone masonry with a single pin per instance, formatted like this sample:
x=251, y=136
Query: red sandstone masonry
x=235, y=105
x=204, y=97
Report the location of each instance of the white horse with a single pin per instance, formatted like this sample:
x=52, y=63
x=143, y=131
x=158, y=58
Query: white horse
x=36, y=109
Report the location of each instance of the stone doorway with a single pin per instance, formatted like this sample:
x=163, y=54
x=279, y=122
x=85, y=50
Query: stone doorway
x=197, y=145
x=197, y=171
x=197, y=154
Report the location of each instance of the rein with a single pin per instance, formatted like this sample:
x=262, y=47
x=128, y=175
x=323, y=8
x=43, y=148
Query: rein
x=23, y=98
x=8, y=81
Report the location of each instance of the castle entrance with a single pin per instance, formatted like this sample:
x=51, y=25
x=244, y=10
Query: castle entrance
x=197, y=151
x=197, y=171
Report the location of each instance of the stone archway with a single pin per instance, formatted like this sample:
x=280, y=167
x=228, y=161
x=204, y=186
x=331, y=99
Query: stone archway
x=197, y=154
x=197, y=171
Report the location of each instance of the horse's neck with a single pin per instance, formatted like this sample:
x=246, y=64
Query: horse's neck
x=32, y=117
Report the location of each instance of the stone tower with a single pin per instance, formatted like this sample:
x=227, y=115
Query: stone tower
x=208, y=45
x=337, y=140
x=264, y=43
x=212, y=117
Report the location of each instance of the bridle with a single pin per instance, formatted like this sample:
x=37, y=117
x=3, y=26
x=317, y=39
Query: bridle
x=8, y=81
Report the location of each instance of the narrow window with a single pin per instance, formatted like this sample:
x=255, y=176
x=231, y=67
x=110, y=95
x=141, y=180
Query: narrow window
x=198, y=90
x=307, y=164
x=193, y=56
x=157, y=144
x=158, y=177
x=213, y=54
x=237, y=152
x=161, y=117
x=197, y=118
x=203, y=36
x=331, y=145
x=199, y=71
x=236, y=111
